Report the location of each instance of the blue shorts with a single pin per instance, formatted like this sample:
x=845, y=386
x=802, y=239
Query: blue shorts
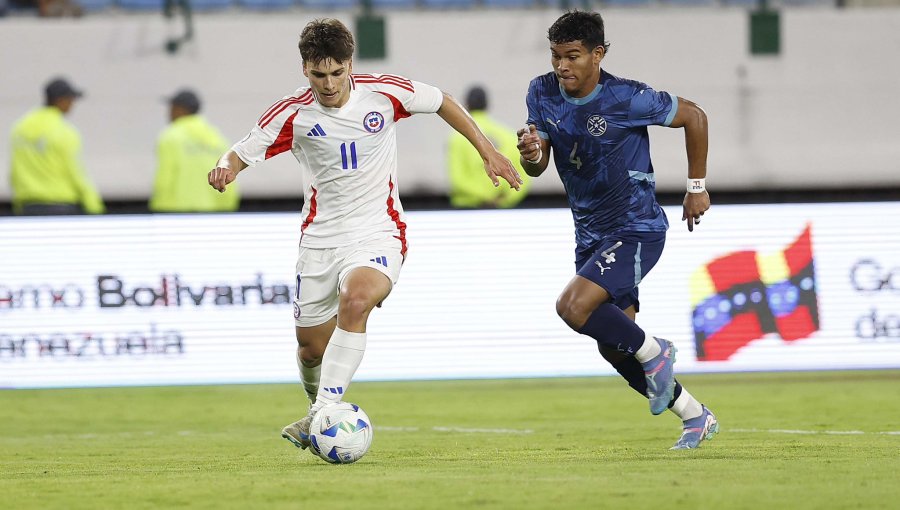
x=619, y=262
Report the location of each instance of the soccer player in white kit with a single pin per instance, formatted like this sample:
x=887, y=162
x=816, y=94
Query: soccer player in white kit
x=353, y=235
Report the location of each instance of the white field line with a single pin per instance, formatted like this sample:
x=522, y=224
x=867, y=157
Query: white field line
x=817, y=432
x=461, y=430
x=111, y=434
x=456, y=429
x=464, y=430
x=529, y=431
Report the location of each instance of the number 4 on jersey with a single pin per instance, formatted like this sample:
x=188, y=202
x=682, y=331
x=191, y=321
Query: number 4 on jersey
x=352, y=165
x=572, y=158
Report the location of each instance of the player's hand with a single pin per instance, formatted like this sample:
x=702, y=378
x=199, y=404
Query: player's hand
x=219, y=177
x=496, y=165
x=529, y=143
x=695, y=204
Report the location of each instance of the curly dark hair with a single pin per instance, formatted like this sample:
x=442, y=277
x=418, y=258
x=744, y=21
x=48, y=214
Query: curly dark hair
x=586, y=27
x=326, y=38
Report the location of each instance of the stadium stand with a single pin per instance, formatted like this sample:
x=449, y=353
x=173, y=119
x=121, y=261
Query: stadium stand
x=153, y=5
x=210, y=5
x=448, y=4
x=141, y=5
x=265, y=5
x=329, y=4
x=8, y=7
x=524, y=4
x=100, y=6
x=95, y=5
x=690, y=3
x=626, y=3
x=394, y=4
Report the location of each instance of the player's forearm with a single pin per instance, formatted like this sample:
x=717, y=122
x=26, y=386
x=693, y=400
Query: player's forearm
x=231, y=161
x=456, y=116
x=534, y=169
x=696, y=140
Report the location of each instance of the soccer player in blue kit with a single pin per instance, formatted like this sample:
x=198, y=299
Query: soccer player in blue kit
x=596, y=125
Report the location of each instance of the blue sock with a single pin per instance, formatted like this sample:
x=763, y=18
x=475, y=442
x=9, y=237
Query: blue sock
x=611, y=328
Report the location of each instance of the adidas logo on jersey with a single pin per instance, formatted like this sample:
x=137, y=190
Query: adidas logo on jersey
x=380, y=260
x=316, y=131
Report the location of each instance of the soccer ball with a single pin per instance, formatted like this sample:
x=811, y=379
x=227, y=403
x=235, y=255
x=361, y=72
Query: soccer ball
x=341, y=433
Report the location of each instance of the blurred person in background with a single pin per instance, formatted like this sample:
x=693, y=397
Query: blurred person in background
x=342, y=127
x=44, y=8
x=595, y=124
x=467, y=187
x=46, y=175
x=186, y=150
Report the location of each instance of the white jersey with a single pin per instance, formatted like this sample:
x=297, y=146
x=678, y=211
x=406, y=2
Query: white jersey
x=351, y=153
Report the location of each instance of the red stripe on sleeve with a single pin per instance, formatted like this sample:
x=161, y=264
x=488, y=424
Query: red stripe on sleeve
x=270, y=110
x=284, y=140
x=388, y=79
x=399, y=80
x=399, y=111
x=273, y=112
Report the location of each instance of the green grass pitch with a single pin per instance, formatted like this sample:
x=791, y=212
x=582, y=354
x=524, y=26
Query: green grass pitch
x=813, y=440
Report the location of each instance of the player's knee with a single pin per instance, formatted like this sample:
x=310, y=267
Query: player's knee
x=311, y=356
x=572, y=310
x=356, y=303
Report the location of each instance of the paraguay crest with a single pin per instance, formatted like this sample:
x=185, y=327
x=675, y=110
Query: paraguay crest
x=596, y=125
x=373, y=122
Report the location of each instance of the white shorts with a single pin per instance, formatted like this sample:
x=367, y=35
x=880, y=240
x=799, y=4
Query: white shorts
x=320, y=272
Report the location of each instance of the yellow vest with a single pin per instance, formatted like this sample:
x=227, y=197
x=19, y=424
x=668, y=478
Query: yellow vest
x=469, y=184
x=186, y=151
x=46, y=163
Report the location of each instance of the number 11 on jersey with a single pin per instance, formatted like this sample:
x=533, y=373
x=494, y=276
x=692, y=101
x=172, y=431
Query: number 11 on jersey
x=352, y=165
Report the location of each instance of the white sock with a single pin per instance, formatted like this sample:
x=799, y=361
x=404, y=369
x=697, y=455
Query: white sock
x=341, y=359
x=686, y=406
x=649, y=350
x=309, y=377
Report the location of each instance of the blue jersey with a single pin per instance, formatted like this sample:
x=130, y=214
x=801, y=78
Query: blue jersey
x=602, y=152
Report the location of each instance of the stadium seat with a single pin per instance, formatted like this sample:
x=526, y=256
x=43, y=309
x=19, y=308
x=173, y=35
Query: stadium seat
x=141, y=5
x=509, y=3
x=394, y=4
x=95, y=5
x=689, y=3
x=447, y=4
x=329, y=4
x=210, y=5
x=740, y=3
x=803, y=3
x=157, y=5
x=266, y=5
x=626, y=3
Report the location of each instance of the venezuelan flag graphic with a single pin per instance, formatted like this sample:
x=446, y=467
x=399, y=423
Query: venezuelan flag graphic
x=741, y=296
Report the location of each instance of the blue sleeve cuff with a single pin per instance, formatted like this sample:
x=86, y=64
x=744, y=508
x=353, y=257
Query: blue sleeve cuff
x=671, y=116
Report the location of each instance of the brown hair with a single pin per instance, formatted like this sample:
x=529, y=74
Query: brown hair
x=326, y=38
